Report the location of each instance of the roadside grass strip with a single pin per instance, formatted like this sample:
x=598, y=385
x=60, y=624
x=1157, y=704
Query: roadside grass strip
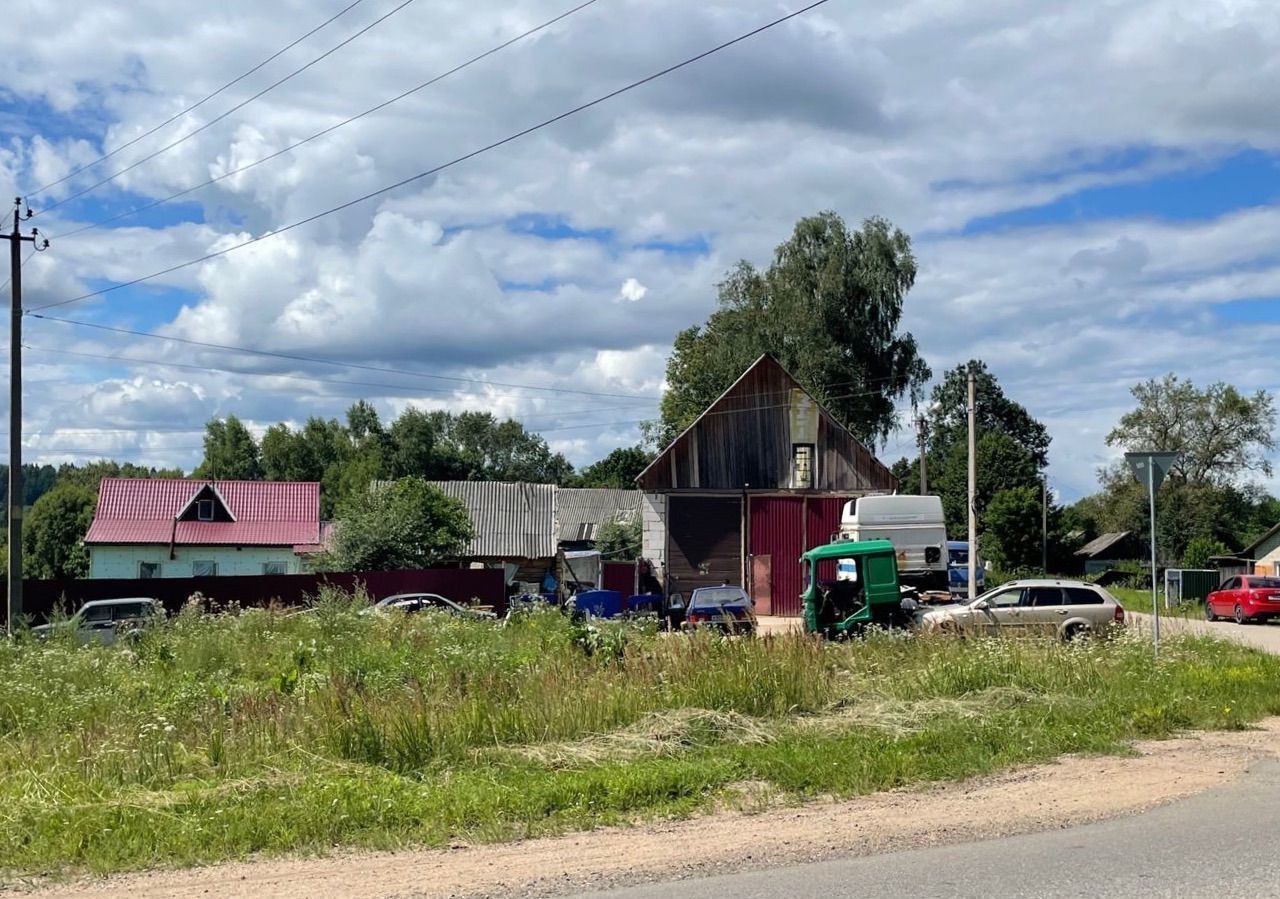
x=219, y=737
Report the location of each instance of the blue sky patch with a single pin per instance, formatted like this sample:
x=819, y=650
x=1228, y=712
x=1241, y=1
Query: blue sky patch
x=556, y=227
x=1249, y=178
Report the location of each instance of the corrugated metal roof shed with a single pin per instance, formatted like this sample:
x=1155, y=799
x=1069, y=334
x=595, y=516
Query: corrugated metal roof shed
x=512, y=521
x=1101, y=544
x=583, y=509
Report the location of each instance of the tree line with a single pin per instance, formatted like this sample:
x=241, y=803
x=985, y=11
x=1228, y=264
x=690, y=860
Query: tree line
x=829, y=306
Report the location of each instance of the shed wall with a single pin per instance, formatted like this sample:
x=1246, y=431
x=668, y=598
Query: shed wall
x=704, y=542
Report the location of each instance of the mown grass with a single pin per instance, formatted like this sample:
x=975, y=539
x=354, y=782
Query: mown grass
x=220, y=736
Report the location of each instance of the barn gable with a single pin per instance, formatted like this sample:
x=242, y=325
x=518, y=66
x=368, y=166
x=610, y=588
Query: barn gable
x=766, y=433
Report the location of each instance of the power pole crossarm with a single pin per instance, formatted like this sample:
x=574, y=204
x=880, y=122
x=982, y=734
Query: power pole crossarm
x=16, y=493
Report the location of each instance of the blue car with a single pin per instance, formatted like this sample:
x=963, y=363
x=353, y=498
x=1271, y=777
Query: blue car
x=958, y=568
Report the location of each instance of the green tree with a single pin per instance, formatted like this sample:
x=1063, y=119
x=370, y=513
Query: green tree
x=1200, y=550
x=477, y=446
x=1222, y=437
x=619, y=469
x=406, y=524
x=1001, y=464
x=230, y=452
x=1011, y=529
x=829, y=308
x=412, y=444
x=53, y=541
x=1219, y=433
x=620, y=540
x=948, y=419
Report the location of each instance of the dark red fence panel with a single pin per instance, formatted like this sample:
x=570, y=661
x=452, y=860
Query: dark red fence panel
x=40, y=598
x=620, y=576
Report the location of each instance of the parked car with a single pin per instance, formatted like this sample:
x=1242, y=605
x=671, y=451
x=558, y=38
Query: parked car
x=958, y=569
x=1247, y=598
x=725, y=608
x=421, y=602
x=1068, y=608
x=106, y=620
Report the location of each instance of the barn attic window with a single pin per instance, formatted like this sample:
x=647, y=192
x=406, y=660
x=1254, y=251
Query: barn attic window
x=802, y=466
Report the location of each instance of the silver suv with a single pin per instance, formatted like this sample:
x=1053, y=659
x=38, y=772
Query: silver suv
x=1069, y=609
x=103, y=620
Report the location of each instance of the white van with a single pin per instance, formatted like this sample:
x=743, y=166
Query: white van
x=913, y=524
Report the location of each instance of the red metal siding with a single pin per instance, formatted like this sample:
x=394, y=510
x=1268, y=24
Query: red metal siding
x=777, y=531
x=823, y=523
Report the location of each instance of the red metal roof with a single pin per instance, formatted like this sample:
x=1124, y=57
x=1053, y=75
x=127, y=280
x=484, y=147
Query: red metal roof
x=266, y=513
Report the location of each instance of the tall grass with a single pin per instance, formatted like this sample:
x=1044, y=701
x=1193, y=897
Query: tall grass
x=217, y=736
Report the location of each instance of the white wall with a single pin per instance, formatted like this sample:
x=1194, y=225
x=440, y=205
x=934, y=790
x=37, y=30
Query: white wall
x=653, y=539
x=1267, y=557
x=122, y=561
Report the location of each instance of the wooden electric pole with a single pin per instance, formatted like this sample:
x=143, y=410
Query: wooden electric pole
x=973, y=490
x=16, y=239
x=924, y=470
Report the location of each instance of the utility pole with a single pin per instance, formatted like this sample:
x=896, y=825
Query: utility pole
x=1044, y=524
x=973, y=491
x=924, y=470
x=16, y=239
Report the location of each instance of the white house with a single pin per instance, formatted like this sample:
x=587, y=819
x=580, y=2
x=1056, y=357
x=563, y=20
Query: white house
x=152, y=528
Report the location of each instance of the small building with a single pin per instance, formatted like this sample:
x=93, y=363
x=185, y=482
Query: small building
x=516, y=526
x=1102, y=553
x=169, y=528
x=761, y=476
x=1262, y=556
x=582, y=512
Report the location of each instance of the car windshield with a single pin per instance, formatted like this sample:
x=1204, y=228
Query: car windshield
x=958, y=556
x=713, y=597
x=1266, y=583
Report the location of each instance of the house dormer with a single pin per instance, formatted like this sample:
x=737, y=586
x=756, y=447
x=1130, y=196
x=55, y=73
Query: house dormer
x=206, y=504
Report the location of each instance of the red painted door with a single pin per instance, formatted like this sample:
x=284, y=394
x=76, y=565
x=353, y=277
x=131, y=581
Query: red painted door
x=777, y=531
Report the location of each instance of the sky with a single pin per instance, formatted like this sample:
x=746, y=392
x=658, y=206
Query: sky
x=1093, y=191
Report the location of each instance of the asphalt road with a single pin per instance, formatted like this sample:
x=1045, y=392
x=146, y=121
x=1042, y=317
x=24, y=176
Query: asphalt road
x=1218, y=845
x=1262, y=636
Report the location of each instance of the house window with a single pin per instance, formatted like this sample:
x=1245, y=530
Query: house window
x=204, y=569
x=148, y=570
x=802, y=465
x=204, y=510
x=275, y=567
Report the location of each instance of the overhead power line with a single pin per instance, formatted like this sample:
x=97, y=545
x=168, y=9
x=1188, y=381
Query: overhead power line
x=406, y=388
x=196, y=105
x=453, y=162
x=332, y=128
x=293, y=357
x=218, y=118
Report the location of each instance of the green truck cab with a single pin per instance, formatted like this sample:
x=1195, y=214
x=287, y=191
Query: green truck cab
x=871, y=597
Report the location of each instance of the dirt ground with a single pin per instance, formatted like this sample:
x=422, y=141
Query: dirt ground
x=1071, y=791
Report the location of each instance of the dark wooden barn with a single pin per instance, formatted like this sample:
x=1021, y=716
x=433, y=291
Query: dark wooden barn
x=759, y=477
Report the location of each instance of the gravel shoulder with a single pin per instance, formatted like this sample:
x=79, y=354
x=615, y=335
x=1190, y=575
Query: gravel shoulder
x=1069, y=792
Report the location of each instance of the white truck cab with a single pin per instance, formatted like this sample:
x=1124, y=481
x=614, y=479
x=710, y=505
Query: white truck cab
x=913, y=524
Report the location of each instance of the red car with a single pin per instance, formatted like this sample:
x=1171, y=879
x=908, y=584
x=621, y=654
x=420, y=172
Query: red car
x=1245, y=599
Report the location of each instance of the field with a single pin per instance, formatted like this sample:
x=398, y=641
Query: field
x=220, y=736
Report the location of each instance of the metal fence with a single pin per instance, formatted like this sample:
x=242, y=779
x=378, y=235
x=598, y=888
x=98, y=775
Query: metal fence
x=1188, y=584
x=40, y=598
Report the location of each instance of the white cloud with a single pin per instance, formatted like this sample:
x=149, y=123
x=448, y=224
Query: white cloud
x=930, y=113
x=632, y=291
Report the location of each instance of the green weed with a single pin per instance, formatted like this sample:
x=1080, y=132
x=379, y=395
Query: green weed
x=258, y=731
